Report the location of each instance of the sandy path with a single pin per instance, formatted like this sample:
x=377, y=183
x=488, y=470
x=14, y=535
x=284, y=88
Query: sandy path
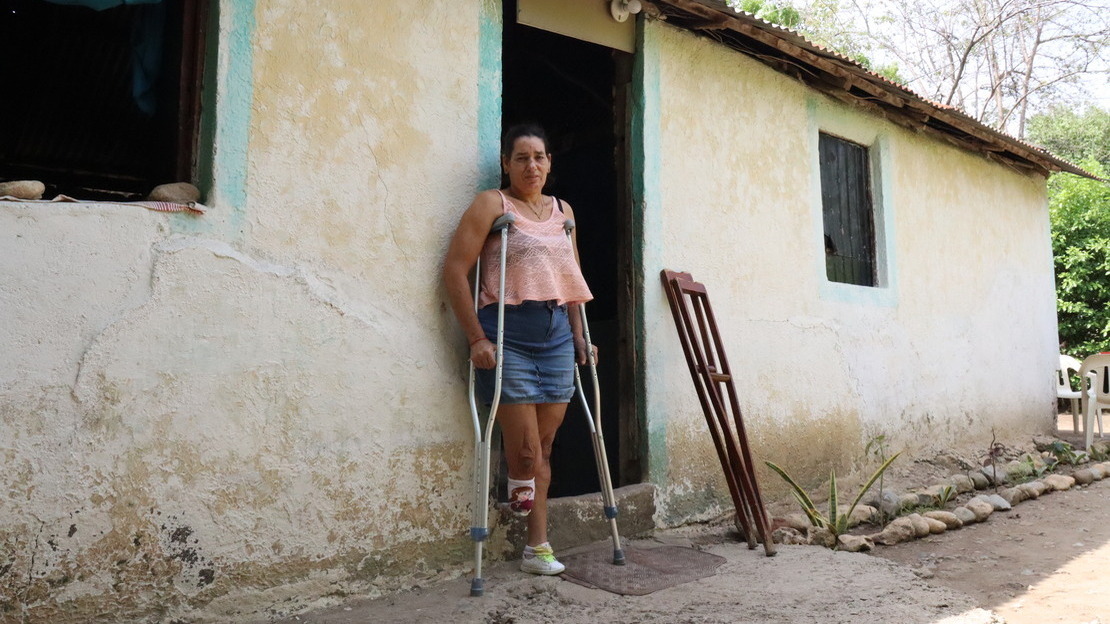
x=1045, y=562
x=801, y=585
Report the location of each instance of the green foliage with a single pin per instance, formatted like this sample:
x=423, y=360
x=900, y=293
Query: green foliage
x=780, y=14
x=1064, y=453
x=1037, y=471
x=1080, y=212
x=1074, y=135
x=834, y=521
x=947, y=493
x=877, y=446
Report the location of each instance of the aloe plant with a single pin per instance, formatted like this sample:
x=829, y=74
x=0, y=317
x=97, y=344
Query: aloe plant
x=834, y=521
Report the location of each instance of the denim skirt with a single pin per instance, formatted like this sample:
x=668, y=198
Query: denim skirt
x=538, y=354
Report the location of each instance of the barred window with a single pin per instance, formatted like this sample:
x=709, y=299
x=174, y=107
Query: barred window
x=104, y=95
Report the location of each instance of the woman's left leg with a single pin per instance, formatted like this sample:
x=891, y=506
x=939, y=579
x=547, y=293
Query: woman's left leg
x=548, y=416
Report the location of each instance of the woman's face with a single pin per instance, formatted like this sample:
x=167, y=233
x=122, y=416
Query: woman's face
x=528, y=165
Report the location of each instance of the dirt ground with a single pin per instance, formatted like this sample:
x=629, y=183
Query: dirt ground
x=1047, y=561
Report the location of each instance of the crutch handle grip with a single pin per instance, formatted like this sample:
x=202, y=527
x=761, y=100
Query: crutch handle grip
x=568, y=225
x=503, y=222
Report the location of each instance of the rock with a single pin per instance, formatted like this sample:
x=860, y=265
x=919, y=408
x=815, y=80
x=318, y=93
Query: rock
x=898, y=531
x=981, y=508
x=996, y=474
x=1034, y=489
x=1100, y=448
x=1098, y=471
x=1084, y=477
x=820, y=536
x=1018, y=470
x=950, y=461
x=965, y=515
x=862, y=514
x=935, y=526
x=996, y=502
x=798, y=522
x=855, y=543
x=920, y=524
x=979, y=480
x=908, y=500
x=888, y=503
x=1044, y=443
x=961, y=482
x=1059, y=482
x=23, y=189
x=788, y=536
x=924, y=572
x=947, y=517
x=1013, y=495
x=936, y=492
x=177, y=192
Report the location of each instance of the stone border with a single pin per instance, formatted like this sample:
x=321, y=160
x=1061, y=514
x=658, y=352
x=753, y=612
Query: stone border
x=795, y=528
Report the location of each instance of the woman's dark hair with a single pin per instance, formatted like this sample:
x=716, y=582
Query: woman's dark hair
x=508, y=140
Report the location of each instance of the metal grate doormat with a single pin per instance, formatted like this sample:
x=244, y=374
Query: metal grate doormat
x=646, y=570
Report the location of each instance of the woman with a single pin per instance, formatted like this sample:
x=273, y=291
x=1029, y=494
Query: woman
x=543, y=330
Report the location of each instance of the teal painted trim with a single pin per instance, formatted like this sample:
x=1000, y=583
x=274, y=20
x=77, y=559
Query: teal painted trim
x=885, y=293
x=647, y=197
x=233, y=115
x=226, y=133
x=490, y=29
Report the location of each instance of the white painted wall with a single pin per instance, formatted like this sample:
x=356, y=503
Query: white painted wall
x=960, y=341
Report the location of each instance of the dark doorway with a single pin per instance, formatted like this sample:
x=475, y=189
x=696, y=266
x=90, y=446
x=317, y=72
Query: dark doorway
x=576, y=91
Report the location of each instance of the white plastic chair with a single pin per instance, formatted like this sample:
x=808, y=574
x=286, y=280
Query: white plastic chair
x=1093, y=376
x=1064, y=390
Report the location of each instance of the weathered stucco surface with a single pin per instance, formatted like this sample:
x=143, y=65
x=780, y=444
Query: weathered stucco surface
x=956, y=345
x=218, y=417
x=210, y=417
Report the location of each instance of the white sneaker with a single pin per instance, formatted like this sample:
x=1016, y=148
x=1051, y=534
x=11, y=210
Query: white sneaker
x=541, y=561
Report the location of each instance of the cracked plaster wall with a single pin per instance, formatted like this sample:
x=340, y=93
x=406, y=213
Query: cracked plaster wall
x=960, y=346
x=218, y=417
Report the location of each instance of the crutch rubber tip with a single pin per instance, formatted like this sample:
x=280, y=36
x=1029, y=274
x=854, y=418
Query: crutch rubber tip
x=618, y=557
x=611, y=512
x=477, y=588
x=479, y=534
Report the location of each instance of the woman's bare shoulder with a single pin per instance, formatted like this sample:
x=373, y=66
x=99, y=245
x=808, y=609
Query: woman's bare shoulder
x=567, y=210
x=488, y=203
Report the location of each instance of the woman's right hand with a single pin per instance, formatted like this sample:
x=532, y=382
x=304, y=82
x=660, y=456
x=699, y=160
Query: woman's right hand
x=483, y=354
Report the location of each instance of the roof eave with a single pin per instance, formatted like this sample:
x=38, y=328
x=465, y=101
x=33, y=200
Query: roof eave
x=846, y=80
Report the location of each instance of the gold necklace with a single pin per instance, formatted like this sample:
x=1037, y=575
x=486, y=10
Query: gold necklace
x=538, y=213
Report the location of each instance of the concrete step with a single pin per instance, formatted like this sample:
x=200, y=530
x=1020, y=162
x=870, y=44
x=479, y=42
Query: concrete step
x=579, y=520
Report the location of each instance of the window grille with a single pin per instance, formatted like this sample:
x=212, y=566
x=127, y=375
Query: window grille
x=104, y=98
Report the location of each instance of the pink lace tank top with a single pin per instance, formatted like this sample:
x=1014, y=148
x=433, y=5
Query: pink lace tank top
x=540, y=263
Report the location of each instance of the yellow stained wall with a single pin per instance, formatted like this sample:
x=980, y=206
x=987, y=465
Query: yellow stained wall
x=205, y=417
x=958, y=343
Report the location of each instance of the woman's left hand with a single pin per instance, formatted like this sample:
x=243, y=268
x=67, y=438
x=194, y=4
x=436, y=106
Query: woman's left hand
x=580, y=351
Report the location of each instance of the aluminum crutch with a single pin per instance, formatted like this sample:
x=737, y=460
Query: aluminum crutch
x=479, y=529
x=609, y=501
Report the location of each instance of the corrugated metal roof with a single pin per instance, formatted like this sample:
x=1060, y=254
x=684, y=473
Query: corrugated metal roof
x=836, y=75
